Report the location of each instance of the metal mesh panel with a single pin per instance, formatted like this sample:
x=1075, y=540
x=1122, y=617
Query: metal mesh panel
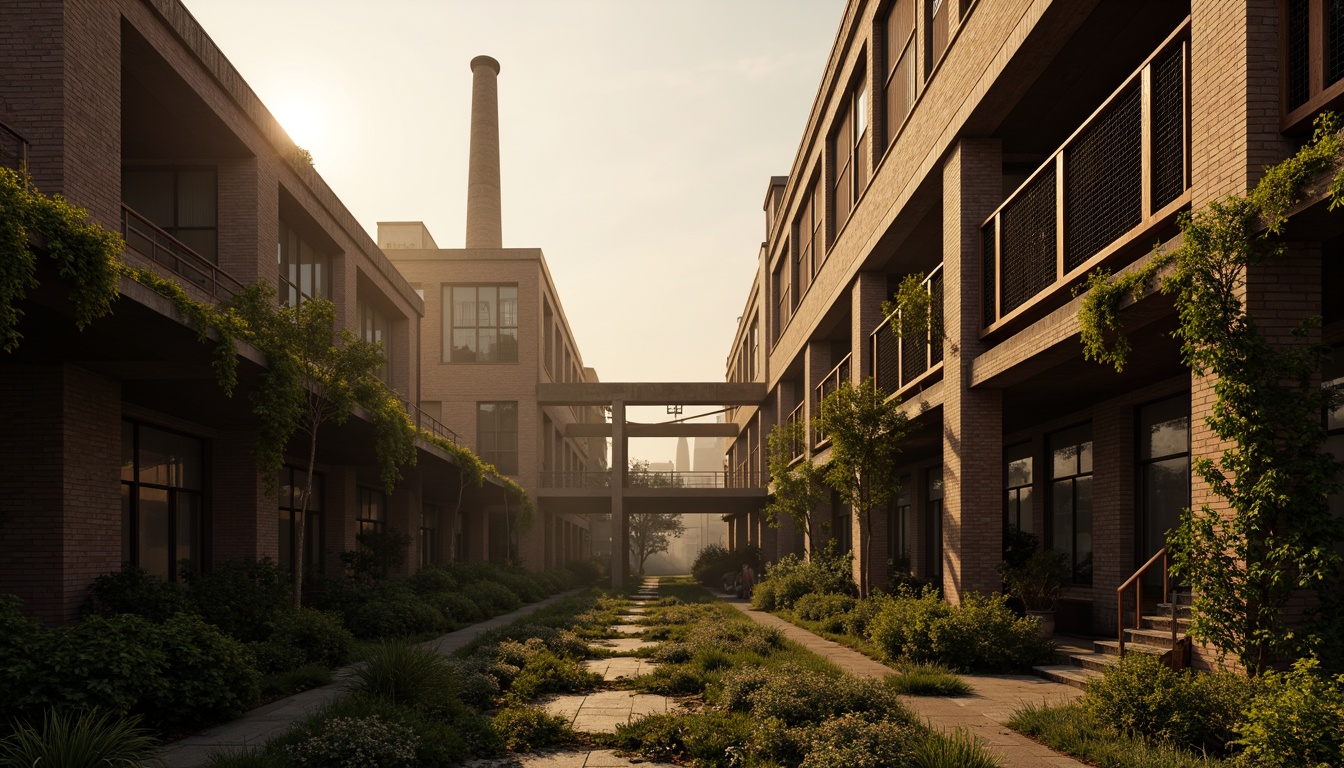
x=1299, y=62
x=886, y=365
x=936, y=319
x=1168, y=128
x=1103, y=181
x=1334, y=41
x=987, y=273
x=914, y=356
x=1028, y=242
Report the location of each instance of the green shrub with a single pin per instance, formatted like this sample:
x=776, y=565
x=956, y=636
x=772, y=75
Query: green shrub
x=369, y=742
x=854, y=741
x=712, y=562
x=303, y=637
x=562, y=642
x=492, y=597
x=433, y=579
x=980, y=635
x=818, y=606
x=588, y=571
x=207, y=676
x=548, y=673
x=378, y=554
x=477, y=688
x=283, y=684
x=798, y=696
x=523, y=728
x=828, y=572
x=401, y=673
x=1296, y=719
x=392, y=610
x=242, y=597
x=959, y=749
x=763, y=596
x=456, y=607
x=83, y=740
x=133, y=591
x=102, y=664
x=703, y=738
x=1193, y=710
x=860, y=616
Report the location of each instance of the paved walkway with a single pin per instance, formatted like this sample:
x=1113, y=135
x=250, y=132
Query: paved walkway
x=262, y=724
x=983, y=713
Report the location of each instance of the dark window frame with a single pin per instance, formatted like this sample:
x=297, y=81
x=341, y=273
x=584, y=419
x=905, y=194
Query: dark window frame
x=131, y=522
x=494, y=454
x=371, y=511
x=451, y=325
x=1081, y=567
x=314, y=558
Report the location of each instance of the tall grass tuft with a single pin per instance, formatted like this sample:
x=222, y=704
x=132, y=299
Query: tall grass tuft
x=927, y=680
x=80, y=740
x=402, y=673
x=958, y=749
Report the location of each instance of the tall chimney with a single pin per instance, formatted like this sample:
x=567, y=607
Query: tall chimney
x=484, y=229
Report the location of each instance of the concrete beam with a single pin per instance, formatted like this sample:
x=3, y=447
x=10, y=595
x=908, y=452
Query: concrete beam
x=655, y=430
x=651, y=393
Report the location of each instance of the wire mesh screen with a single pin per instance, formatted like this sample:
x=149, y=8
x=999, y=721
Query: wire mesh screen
x=1334, y=41
x=1299, y=61
x=936, y=319
x=1103, y=181
x=1168, y=111
x=987, y=275
x=1028, y=242
x=886, y=359
x=914, y=356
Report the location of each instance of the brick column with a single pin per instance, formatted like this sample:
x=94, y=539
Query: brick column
x=244, y=515
x=1114, y=517
x=339, y=509
x=972, y=419
x=403, y=514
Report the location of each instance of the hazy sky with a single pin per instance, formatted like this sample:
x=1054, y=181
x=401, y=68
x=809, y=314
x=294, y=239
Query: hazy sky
x=637, y=138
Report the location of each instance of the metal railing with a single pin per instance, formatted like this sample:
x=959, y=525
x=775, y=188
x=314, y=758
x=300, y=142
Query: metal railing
x=900, y=362
x=146, y=239
x=13, y=149
x=1126, y=164
x=832, y=381
x=742, y=477
x=428, y=423
x=799, y=444
x=1137, y=582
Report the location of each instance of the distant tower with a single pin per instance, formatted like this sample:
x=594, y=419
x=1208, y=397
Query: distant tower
x=683, y=455
x=484, y=228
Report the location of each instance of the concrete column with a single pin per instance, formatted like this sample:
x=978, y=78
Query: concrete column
x=338, y=517
x=245, y=517
x=484, y=228
x=972, y=419
x=620, y=521
x=403, y=514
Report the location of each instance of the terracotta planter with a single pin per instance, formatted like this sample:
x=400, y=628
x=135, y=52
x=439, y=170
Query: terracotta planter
x=1045, y=622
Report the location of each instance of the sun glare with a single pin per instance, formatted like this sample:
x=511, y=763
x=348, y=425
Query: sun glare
x=302, y=119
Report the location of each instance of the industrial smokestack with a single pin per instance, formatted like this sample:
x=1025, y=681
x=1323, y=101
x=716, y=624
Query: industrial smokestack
x=484, y=227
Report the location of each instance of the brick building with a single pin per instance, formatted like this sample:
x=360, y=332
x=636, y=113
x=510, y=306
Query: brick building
x=118, y=444
x=1005, y=149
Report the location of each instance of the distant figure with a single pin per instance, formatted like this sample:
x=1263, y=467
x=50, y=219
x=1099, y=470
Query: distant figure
x=746, y=581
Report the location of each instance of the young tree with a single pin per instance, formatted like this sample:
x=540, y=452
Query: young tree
x=317, y=376
x=650, y=533
x=799, y=488
x=866, y=431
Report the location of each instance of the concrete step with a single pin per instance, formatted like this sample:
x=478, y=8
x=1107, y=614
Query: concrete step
x=1067, y=674
x=1112, y=648
x=1164, y=622
x=1158, y=638
x=1092, y=662
x=1164, y=609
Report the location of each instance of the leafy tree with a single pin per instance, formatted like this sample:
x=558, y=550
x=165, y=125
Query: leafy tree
x=1275, y=536
x=640, y=476
x=317, y=376
x=866, y=431
x=799, y=488
x=650, y=533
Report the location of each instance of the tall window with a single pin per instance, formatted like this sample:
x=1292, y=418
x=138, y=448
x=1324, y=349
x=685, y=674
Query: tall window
x=900, y=527
x=376, y=327
x=497, y=435
x=899, y=89
x=1071, y=499
x=1164, y=471
x=780, y=285
x=162, y=489
x=547, y=323
x=849, y=146
x=940, y=24
x=293, y=482
x=481, y=325
x=182, y=202
x=1017, y=488
x=809, y=233
x=371, y=516
x=429, y=534
x=933, y=523
x=305, y=272
x=755, y=349
x=844, y=524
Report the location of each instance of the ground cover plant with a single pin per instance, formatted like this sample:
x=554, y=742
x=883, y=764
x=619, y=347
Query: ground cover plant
x=763, y=701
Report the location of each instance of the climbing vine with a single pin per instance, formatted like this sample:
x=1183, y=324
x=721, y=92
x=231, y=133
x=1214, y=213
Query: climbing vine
x=1278, y=535
x=87, y=257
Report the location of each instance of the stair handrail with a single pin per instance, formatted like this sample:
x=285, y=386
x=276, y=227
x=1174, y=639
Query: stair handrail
x=1138, y=600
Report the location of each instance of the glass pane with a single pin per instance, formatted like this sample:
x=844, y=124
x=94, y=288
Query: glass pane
x=487, y=303
x=1024, y=520
x=167, y=458
x=1083, y=529
x=506, y=350
x=1061, y=516
x=485, y=417
x=312, y=541
x=508, y=305
x=1166, y=491
x=200, y=241
x=464, y=307
x=1019, y=472
x=1164, y=428
x=508, y=417
x=485, y=351
x=196, y=198
x=935, y=484
x=188, y=527
x=1085, y=457
x=150, y=194
x=903, y=491
x=464, y=346
x=286, y=539
x=153, y=533
x=125, y=523
x=127, y=450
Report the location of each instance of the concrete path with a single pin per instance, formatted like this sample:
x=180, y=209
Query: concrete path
x=617, y=667
x=983, y=713
x=602, y=711
x=261, y=725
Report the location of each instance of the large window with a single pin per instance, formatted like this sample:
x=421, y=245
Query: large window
x=1164, y=472
x=1071, y=499
x=480, y=324
x=376, y=327
x=305, y=272
x=898, y=92
x=293, y=483
x=182, y=202
x=780, y=286
x=371, y=517
x=809, y=231
x=849, y=149
x=1017, y=488
x=933, y=524
x=497, y=435
x=162, y=491
x=899, y=546
x=429, y=534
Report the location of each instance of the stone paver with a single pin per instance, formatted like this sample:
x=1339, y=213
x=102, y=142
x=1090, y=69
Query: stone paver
x=597, y=758
x=624, y=644
x=629, y=629
x=264, y=723
x=983, y=713
x=602, y=711
x=617, y=667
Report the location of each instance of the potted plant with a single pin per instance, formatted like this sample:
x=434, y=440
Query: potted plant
x=1037, y=582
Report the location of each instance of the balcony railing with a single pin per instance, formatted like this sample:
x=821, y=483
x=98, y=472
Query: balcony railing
x=838, y=375
x=741, y=477
x=899, y=363
x=143, y=237
x=583, y=478
x=799, y=446
x=428, y=423
x=13, y=149
x=1126, y=167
